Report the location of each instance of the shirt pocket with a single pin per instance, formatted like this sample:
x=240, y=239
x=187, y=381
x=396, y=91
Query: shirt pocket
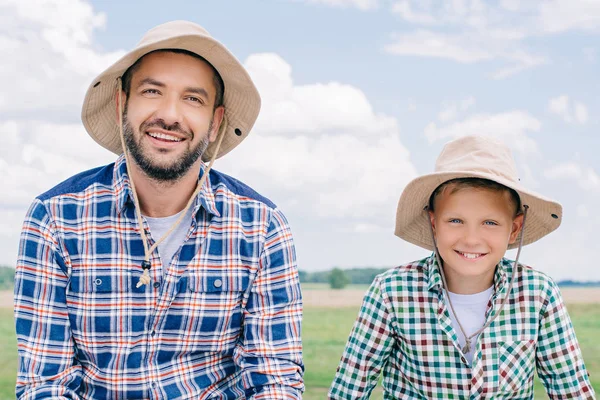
x=214, y=313
x=516, y=365
x=106, y=310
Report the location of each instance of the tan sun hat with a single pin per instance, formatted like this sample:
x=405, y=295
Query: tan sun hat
x=241, y=98
x=472, y=157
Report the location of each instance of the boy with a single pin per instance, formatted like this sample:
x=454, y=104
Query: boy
x=466, y=323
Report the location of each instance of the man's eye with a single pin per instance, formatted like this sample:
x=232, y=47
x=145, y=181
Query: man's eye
x=150, y=91
x=195, y=99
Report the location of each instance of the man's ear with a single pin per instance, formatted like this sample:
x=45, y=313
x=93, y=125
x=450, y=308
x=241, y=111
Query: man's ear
x=216, y=123
x=516, y=227
x=432, y=220
x=120, y=98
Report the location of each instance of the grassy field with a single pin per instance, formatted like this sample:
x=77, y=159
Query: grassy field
x=325, y=331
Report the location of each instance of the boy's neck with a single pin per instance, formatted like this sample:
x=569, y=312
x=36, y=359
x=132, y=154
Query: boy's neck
x=461, y=284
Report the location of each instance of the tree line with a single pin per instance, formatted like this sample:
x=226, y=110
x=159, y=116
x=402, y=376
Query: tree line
x=337, y=278
x=7, y=278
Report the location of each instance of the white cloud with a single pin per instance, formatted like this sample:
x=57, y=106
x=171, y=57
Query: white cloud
x=569, y=111
x=450, y=111
x=467, y=48
x=563, y=15
x=52, y=59
x=585, y=177
x=473, y=31
x=512, y=127
x=327, y=149
x=581, y=113
x=56, y=58
x=363, y=5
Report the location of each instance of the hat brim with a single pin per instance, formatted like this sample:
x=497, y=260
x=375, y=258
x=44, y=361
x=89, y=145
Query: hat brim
x=241, y=98
x=412, y=221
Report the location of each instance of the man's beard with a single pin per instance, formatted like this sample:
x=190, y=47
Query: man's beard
x=163, y=173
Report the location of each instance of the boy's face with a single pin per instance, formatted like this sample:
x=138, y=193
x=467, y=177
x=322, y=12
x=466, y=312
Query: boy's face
x=473, y=228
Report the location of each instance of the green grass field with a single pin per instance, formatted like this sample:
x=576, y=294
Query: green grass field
x=325, y=331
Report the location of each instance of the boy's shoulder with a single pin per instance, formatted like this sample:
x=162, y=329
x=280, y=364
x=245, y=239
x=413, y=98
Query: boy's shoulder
x=411, y=276
x=530, y=279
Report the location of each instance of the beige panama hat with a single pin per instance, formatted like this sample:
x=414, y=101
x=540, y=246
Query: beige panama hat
x=241, y=98
x=472, y=157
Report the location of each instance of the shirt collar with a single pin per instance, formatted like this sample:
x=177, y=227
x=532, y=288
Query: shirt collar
x=124, y=194
x=501, y=275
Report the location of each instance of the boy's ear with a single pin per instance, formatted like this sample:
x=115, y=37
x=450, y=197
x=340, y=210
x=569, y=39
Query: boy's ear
x=517, y=225
x=432, y=220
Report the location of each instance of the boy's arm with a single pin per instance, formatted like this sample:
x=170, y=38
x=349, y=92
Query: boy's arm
x=558, y=356
x=270, y=354
x=46, y=350
x=367, y=349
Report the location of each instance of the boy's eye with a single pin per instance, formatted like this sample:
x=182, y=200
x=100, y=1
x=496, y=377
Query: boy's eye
x=490, y=223
x=454, y=221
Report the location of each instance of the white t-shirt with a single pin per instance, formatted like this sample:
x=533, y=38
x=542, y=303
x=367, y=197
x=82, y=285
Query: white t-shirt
x=470, y=309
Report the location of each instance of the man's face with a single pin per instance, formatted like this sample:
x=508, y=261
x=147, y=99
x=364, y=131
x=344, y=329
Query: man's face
x=473, y=228
x=169, y=117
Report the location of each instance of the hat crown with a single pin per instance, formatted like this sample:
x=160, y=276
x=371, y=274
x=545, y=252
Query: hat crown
x=172, y=29
x=478, y=154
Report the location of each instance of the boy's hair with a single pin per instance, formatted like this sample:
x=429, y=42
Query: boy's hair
x=217, y=80
x=475, y=183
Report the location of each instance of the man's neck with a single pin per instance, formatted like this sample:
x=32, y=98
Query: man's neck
x=162, y=199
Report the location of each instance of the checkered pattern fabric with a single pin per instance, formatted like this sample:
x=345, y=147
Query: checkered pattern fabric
x=223, y=321
x=404, y=332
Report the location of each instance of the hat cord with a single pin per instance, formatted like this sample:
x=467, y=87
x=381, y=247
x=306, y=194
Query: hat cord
x=467, y=347
x=145, y=278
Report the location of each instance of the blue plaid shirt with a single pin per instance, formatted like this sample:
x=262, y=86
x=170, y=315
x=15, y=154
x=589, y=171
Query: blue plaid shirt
x=223, y=321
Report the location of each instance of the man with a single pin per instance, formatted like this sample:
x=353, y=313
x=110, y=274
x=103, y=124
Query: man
x=157, y=277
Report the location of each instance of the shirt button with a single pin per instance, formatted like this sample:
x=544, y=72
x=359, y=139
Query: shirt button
x=97, y=282
x=152, y=333
x=156, y=285
x=218, y=283
x=154, y=384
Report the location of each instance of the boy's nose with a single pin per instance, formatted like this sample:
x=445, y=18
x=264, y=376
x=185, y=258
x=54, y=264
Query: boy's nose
x=471, y=236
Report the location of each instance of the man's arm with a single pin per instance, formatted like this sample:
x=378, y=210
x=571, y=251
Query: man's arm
x=45, y=345
x=558, y=356
x=367, y=349
x=270, y=355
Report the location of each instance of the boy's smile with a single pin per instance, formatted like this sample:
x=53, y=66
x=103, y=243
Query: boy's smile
x=473, y=228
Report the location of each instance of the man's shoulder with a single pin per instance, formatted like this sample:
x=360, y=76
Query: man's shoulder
x=80, y=182
x=236, y=187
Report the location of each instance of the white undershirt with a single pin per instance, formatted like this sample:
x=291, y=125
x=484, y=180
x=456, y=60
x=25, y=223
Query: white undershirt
x=470, y=309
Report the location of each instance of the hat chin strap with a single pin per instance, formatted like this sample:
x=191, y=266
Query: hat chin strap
x=145, y=278
x=467, y=347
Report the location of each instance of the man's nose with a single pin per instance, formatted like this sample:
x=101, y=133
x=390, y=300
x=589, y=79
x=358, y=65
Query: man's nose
x=170, y=110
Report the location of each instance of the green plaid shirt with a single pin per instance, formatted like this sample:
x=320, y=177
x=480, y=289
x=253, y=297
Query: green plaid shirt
x=404, y=329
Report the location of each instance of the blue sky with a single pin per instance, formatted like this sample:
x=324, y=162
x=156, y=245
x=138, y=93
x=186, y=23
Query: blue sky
x=359, y=97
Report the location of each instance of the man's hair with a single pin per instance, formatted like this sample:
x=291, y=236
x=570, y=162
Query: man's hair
x=217, y=80
x=454, y=185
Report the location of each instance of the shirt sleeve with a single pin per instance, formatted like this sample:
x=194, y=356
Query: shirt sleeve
x=558, y=356
x=367, y=350
x=45, y=346
x=270, y=354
